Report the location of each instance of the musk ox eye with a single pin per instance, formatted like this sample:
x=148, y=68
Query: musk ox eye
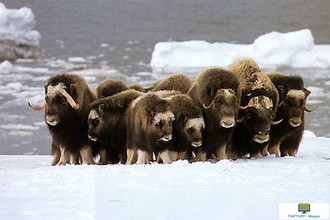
x=190, y=130
x=248, y=115
x=95, y=122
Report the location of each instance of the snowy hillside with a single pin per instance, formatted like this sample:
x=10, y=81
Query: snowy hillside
x=242, y=189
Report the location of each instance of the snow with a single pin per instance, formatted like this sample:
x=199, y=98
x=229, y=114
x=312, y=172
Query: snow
x=293, y=49
x=17, y=37
x=242, y=189
x=17, y=25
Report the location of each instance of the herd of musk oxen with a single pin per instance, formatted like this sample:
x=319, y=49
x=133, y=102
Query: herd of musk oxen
x=223, y=114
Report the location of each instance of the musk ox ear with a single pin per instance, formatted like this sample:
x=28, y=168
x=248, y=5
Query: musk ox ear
x=73, y=89
x=210, y=92
x=102, y=108
x=239, y=94
x=281, y=92
x=307, y=92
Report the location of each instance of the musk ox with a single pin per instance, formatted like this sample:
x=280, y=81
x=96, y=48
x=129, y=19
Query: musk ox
x=218, y=92
x=260, y=100
x=149, y=122
x=110, y=87
x=187, y=128
x=137, y=87
x=178, y=82
x=107, y=125
x=286, y=136
x=67, y=104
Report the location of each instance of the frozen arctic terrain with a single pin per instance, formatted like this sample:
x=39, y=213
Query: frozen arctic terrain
x=243, y=189
x=272, y=50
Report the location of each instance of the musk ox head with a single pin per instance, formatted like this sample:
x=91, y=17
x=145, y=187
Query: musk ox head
x=258, y=117
x=58, y=103
x=292, y=108
x=224, y=108
x=193, y=130
x=292, y=96
x=162, y=125
x=96, y=124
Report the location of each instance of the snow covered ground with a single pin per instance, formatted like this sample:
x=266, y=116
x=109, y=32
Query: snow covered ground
x=272, y=50
x=242, y=189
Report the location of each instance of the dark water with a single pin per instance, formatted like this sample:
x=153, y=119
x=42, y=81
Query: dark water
x=120, y=35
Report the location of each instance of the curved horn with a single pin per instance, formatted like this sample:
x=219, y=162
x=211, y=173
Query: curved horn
x=279, y=105
x=276, y=122
x=243, y=107
x=307, y=110
x=208, y=107
x=240, y=120
x=37, y=108
x=70, y=100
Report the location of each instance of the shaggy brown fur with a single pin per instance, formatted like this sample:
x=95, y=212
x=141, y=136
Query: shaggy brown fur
x=260, y=97
x=110, y=87
x=218, y=92
x=149, y=123
x=243, y=68
x=107, y=125
x=68, y=126
x=187, y=127
x=137, y=87
x=287, y=135
x=177, y=82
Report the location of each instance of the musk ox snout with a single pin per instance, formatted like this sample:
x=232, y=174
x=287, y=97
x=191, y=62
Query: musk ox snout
x=262, y=136
x=295, y=122
x=166, y=138
x=197, y=143
x=52, y=120
x=227, y=122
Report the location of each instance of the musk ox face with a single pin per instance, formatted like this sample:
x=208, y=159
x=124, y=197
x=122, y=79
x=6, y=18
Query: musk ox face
x=258, y=118
x=224, y=108
x=293, y=106
x=58, y=104
x=95, y=125
x=162, y=126
x=193, y=130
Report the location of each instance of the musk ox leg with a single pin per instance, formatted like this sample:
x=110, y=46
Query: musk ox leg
x=57, y=157
x=165, y=156
x=76, y=159
x=264, y=151
x=103, y=157
x=143, y=157
x=201, y=155
x=232, y=154
x=183, y=156
x=275, y=150
x=132, y=156
x=292, y=152
x=221, y=153
x=257, y=155
x=87, y=156
x=65, y=156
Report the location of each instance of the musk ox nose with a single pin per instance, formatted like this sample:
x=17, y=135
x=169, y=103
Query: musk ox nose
x=92, y=137
x=261, y=138
x=227, y=122
x=52, y=120
x=295, y=122
x=197, y=143
x=166, y=137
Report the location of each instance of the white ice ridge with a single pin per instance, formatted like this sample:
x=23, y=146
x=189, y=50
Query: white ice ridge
x=17, y=37
x=293, y=49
